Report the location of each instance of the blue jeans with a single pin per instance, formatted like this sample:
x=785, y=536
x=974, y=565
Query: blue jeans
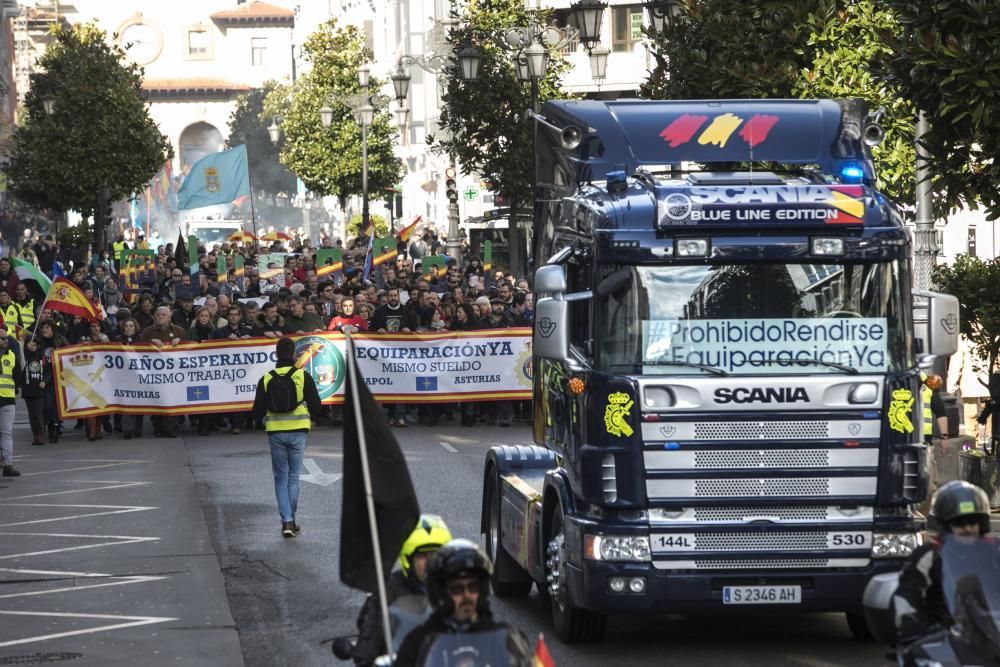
x=287, y=450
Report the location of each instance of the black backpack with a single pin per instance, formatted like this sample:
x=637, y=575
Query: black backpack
x=281, y=393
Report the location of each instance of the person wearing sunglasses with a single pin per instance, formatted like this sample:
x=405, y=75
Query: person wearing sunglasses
x=10, y=381
x=960, y=509
x=458, y=589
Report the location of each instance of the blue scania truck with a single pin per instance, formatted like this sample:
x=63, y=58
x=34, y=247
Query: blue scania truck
x=726, y=371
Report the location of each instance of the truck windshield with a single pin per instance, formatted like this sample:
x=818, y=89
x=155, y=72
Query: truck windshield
x=745, y=319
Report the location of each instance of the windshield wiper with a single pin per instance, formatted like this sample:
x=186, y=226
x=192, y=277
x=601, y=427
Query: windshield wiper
x=850, y=370
x=708, y=369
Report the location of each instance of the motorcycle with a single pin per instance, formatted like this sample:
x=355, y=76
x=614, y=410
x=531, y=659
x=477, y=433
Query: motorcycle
x=970, y=571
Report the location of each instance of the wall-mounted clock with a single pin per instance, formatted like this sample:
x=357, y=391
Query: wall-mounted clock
x=141, y=40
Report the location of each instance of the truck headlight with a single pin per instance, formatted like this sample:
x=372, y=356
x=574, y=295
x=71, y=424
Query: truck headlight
x=894, y=545
x=616, y=548
x=691, y=247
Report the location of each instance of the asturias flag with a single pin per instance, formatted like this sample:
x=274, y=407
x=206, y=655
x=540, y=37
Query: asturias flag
x=217, y=178
x=65, y=297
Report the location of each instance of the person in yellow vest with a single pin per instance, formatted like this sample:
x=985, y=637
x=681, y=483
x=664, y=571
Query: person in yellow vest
x=25, y=306
x=933, y=407
x=117, y=248
x=288, y=402
x=10, y=382
x=11, y=314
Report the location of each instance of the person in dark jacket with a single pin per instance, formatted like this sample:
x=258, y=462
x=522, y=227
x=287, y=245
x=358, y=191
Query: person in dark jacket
x=458, y=590
x=37, y=377
x=958, y=508
x=128, y=334
x=287, y=431
x=430, y=535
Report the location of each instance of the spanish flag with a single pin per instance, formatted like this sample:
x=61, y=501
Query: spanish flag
x=66, y=297
x=405, y=233
x=542, y=656
x=329, y=269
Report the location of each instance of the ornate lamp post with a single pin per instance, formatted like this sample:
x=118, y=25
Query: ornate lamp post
x=531, y=45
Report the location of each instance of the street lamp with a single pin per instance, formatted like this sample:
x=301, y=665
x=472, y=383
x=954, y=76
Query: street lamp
x=661, y=13
x=49, y=105
x=589, y=15
x=599, y=65
x=437, y=62
x=274, y=131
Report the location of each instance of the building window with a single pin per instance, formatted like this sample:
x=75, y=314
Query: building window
x=626, y=28
x=258, y=49
x=971, y=241
x=199, y=44
x=562, y=19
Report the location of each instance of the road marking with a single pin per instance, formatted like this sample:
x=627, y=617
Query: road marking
x=316, y=474
x=112, y=581
x=114, y=509
x=53, y=472
x=448, y=447
x=114, y=485
x=119, y=539
x=132, y=621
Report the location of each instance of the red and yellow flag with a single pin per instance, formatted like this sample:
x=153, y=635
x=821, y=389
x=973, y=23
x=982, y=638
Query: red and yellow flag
x=65, y=297
x=542, y=656
x=405, y=233
x=329, y=269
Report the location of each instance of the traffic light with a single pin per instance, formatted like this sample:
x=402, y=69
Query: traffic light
x=451, y=184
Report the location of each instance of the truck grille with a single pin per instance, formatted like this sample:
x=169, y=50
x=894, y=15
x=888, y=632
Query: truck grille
x=728, y=488
x=761, y=430
x=759, y=563
x=773, y=458
x=729, y=542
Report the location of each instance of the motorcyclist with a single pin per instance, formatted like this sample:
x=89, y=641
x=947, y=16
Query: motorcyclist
x=429, y=535
x=960, y=509
x=458, y=580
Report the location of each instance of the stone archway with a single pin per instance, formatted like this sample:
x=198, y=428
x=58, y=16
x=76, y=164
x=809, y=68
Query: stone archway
x=196, y=141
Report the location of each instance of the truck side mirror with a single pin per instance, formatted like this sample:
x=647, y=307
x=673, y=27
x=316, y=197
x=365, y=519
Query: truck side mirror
x=550, y=279
x=551, y=334
x=938, y=322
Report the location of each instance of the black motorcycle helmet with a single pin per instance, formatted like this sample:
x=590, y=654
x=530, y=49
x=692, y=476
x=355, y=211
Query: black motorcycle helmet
x=458, y=558
x=957, y=499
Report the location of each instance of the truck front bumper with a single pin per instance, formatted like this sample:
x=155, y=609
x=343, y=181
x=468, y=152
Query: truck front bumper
x=667, y=591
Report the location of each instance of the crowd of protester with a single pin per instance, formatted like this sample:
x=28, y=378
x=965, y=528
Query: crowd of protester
x=164, y=303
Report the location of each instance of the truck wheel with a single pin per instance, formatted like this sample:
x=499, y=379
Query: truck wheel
x=571, y=623
x=859, y=628
x=509, y=578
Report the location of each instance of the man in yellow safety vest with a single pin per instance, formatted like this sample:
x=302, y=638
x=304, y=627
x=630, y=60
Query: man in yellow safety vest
x=933, y=406
x=10, y=381
x=288, y=402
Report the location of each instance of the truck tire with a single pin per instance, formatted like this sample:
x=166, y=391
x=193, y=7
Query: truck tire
x=572, y=625
x=859, y=628
x=509, y=578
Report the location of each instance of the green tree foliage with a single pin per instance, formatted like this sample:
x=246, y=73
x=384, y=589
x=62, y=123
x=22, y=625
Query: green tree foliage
x=328, y=160
x=486, y=127
x=779, y=49
x=248, y=125
x=974, y=281
x=100, y=135
x=354, y=226
x=947, y=60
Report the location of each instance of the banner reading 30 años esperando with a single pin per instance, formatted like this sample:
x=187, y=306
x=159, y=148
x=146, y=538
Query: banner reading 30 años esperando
x=222, y=375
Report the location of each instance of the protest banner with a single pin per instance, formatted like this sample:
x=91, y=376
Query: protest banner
x=222, y=375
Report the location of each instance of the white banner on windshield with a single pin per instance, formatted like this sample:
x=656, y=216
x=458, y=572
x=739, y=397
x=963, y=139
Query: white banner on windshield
x=742, y=346
x=222, y=375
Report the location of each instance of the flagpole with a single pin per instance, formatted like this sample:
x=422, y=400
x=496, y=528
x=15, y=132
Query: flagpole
x=253, y=216
x=369, y=498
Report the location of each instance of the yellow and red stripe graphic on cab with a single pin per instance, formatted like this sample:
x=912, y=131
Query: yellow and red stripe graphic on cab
x=754, y=130
x=849, y=200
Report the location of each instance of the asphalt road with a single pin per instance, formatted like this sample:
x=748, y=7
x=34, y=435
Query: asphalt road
x=288, y=603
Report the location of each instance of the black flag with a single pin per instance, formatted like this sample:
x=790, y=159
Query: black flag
x=180, y=251
x=396, y=508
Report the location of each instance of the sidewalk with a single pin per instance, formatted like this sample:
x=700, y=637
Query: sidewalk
x=105, y=558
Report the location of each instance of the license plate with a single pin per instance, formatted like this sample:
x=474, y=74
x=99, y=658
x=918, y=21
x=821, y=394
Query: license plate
x=761, y=594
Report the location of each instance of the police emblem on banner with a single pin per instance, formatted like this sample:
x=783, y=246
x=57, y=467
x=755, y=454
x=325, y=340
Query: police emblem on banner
x=322, y=359
x=212, y=179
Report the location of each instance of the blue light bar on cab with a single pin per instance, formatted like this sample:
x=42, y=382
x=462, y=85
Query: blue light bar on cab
x=852, y=172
